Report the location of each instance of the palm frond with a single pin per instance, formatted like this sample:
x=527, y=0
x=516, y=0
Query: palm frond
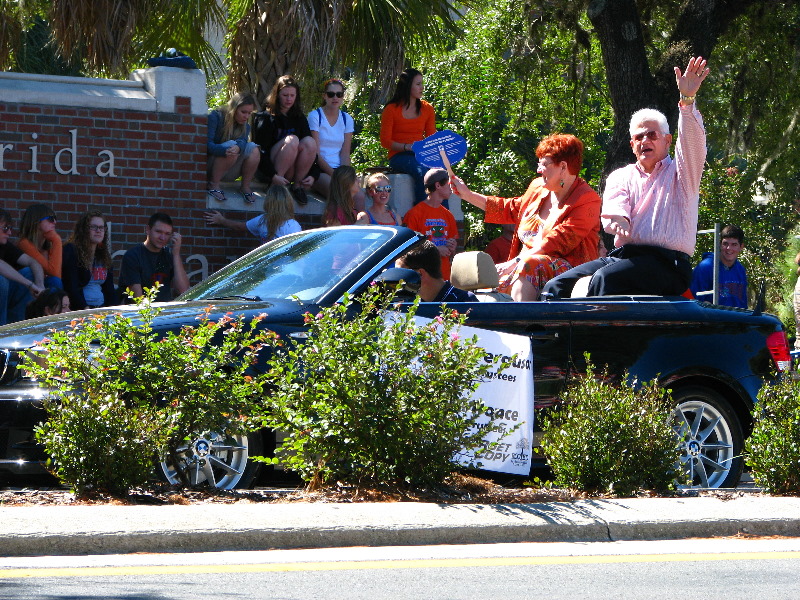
x=102, y=29
x=187, y=26
x=10, y=32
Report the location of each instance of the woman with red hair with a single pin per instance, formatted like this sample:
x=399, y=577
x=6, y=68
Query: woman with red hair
x=557, y=219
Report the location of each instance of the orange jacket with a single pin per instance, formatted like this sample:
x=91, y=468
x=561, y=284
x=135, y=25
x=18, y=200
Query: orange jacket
x=572, y=235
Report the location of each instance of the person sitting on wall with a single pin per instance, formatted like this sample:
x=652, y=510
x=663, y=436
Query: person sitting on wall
x=87, y=266
x=651, y=206
x=21, y=277
x=39, y=239
x=276, y=221
x=230, y=153
x=425, y=259
x=332, y=129
x=433, y=220
x=732, y=284
x=406, y=119
x=557, y=219
x=52, y=301
x=145, y=264
x=288, y=150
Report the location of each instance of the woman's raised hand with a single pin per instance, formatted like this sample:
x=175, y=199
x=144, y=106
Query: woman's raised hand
x=458, y=187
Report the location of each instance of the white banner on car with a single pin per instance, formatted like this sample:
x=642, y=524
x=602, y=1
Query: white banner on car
x=508, y=397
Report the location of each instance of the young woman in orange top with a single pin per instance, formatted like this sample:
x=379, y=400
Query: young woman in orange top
x=39, y=239
x=406, y=119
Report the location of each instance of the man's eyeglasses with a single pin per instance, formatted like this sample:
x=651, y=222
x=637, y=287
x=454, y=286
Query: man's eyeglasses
x=332, y=94
x=50, y=218
x=382, y=188
x=651, y=135
x=97, y=227
x=7, y=228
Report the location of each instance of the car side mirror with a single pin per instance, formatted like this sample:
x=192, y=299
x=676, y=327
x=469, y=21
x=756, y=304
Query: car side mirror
x=393, y=276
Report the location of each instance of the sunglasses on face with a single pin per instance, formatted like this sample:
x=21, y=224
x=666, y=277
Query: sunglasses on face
x=50, y=219
x=382, y=188
x=336, y=94
x=97, y=227
x=650, y=135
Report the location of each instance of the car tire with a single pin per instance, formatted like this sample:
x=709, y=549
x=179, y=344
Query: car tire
x=710, y=437
x=218, y=460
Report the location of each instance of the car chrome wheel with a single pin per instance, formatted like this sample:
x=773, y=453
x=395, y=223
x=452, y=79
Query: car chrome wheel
x=710, y=439
x=216, y=459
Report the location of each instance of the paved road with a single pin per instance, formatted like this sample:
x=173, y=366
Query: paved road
x=734, y=569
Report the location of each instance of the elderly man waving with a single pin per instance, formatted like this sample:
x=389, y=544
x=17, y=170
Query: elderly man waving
x=651, y=206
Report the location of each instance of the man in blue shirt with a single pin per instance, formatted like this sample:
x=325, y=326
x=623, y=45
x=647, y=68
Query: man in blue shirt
x=732, y=283
x=425, y=260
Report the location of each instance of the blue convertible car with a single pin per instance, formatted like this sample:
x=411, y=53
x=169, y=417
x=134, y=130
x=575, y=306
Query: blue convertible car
x=714, y=359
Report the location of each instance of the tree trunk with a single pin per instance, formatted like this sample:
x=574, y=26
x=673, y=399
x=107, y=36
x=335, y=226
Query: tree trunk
x=631, y=82
x=283, y=37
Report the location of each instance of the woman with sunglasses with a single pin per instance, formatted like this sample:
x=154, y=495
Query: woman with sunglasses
x=378, y=189
x=39, y=240
x=557, y=219
x=288, y=151
x=332, y=129
x=88, y=270
x=406, y=119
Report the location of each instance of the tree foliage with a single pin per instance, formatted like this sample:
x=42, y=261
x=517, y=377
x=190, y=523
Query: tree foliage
x=375, y=397
x=123, y=393
x=614, y=439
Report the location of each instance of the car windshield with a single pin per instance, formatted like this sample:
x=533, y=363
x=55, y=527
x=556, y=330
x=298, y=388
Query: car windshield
x=304, y=266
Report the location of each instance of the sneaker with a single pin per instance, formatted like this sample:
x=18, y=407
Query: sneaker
x=299, y=194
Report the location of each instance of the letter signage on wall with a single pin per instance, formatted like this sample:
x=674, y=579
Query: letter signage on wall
x=65, y=160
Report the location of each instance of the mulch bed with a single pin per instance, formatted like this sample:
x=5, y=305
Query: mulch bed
x=461, y=489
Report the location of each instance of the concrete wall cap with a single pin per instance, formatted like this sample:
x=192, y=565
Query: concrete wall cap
x=84, y=92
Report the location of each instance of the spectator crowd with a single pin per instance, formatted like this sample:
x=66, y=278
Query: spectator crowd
x=551, y=235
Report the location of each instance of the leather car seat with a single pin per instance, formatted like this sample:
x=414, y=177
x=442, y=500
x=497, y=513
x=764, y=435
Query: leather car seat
x=475, y=272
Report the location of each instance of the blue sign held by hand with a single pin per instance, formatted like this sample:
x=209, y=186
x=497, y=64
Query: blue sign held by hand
x=440, y=150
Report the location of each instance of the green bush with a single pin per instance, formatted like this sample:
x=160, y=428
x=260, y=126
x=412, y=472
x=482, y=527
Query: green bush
x=372, y=401
x=123, y=395
x=613, y=439
x=773, y=449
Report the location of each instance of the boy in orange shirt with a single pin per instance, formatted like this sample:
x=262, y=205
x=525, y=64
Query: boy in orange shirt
x=433, y=220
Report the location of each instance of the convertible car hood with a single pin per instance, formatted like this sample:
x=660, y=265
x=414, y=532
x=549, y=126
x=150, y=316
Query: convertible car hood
x=172, y=316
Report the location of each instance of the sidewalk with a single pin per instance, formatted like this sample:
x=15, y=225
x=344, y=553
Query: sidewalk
x=104, y=529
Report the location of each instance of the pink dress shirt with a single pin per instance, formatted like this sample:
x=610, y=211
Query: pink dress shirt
x=661, y=206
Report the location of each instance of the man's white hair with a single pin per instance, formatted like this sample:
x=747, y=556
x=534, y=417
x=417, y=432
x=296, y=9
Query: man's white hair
x=648, y=114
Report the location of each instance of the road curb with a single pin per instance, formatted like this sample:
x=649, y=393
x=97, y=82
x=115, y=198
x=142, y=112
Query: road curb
x=77, y=530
